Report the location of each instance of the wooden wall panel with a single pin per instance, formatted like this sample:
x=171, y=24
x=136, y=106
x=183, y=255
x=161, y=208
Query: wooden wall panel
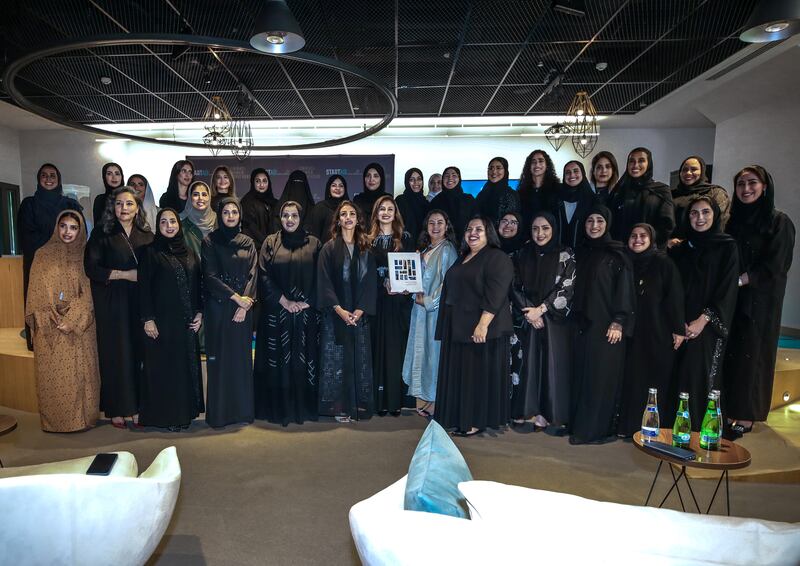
x=12, y=304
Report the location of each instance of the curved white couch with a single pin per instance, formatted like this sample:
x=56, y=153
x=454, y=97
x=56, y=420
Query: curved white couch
x=55, y=514
x=517, y=525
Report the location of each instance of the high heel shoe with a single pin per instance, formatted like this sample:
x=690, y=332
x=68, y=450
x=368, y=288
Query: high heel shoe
x=118, y=424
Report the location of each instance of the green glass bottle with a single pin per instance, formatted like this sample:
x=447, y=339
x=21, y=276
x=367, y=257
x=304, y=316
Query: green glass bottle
x=709, y=430
x=682, y=429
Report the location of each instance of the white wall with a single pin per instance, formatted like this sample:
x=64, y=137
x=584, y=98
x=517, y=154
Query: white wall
x=9, y=156
x=80, y=157
x=768, y=136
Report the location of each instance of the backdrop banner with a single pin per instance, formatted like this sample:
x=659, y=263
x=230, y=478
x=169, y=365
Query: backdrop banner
x=316, y=167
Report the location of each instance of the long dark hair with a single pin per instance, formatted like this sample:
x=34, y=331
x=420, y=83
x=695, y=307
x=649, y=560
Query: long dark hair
x=109, y=218
x=359, y=235
x=425, y=238
x=613, y=160
x=397, y=223
x=526, y=177
x=172, y=186
x=492, y=239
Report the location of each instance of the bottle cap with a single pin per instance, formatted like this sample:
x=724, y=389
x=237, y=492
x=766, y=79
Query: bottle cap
x=652, y=390
x=684, y=395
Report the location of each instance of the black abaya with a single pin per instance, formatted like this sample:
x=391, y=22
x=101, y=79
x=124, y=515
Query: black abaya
x=459, y=207
x=709, y=271
x=473, y=385
x=229, y=267
x=287, y=344
x=604, y=294
x=413, y=208
x=765, y=254
x=169, y=291
x=116, y=308
x=389, y=331
x=349, y=281
x=318, y=221
x=641, y=199
x=544, y=277
x=650, y=354
x=258, y=216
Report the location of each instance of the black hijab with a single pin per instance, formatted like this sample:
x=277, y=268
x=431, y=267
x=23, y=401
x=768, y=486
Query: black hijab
x=108, y=187
x=415, y=200
x=267, y=197
x=511, y=245
x=292, y=240
x=49, y=201
x=643, y=183
x=539, y=264
x=713, y=235
x=367, y=198
x=491, y=192
x=573, y=194
x=642, y=260
x=174, y=246
x=604, y=241
x=298, y=190
x=331, y=201
x=699, y=187
x=229, y=236
x=756, y=216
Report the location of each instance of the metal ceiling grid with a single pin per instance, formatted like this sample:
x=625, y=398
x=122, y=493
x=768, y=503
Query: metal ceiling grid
x=446, y=57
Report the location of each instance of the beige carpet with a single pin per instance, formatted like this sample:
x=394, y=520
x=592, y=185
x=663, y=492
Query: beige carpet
x=266, y=495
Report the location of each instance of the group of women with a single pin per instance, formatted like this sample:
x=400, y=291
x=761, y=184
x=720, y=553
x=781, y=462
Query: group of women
x=553, y=307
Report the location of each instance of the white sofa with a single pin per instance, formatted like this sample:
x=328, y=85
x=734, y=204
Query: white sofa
x=56, y=514
x=567, y=530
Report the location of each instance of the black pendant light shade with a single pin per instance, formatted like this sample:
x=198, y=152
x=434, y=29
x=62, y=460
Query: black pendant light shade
x=772, y=20
x=276, y=30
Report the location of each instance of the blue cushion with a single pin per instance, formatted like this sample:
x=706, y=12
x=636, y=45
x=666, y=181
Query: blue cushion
x=436, y=469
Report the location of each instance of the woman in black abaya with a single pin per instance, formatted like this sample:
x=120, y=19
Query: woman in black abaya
x=496, y=198
x=708, y=262
x=112, y=179
x=638, y=198
x=694, y=183
x=572, y=203
x=169, y=291
x=474, y=326
x=659, y=327
x=229, y=261
x=318, y=222
x=392, y=310
x=543, y=287
x=36, y=220
x=538, y=185
x=512, y=237
x=602, y=318
x=258, y=208
x=111, y=261
x=346, y=294
x=765, y=239
x=453, y=201
x=412, y=204
x=374, y=188
x=287, y=342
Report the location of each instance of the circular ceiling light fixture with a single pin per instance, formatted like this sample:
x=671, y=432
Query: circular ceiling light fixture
x=277, y=31
x=772, y=20
x=601, y=66
x=18, y=86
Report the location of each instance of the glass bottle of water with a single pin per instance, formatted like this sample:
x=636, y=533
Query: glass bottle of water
x=719, y=406
x=682, y=429
x=650, y=421
x=709, y=430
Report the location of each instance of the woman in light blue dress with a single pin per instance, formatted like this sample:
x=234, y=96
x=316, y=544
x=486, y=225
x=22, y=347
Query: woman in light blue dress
x=421, y=363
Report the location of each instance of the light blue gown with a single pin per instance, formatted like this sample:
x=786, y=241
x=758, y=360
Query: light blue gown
x=421, y=363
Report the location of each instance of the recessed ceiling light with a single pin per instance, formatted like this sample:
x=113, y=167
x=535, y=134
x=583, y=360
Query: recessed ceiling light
x=446, y=55
x=105, y=80
x=540, y=64
x=601, y=66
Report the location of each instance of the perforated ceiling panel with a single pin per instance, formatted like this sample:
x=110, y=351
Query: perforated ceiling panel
x=440, y=58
